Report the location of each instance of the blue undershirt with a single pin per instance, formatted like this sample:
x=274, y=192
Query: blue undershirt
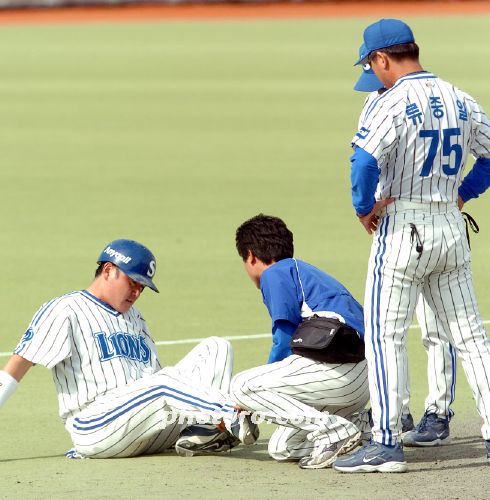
x=477, y=181
x=364, y=180
x=282, y=331
x=365, y=177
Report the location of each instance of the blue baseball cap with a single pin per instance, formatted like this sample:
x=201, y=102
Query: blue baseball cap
x=134, y=260
x=385, y=33
x=368, y=81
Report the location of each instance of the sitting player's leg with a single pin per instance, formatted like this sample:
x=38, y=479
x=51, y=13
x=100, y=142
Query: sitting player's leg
x=127, y=421
x=210, y=363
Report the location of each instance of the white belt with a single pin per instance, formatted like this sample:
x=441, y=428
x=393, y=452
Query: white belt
x=430, y=208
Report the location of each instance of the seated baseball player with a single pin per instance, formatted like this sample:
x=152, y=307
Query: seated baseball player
x=315, y=395
x=114, y=397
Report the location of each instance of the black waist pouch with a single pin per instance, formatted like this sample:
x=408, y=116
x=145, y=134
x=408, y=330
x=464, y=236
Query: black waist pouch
x=327, y=340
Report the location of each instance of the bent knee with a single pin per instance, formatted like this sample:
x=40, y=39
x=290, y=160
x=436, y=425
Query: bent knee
x=218, y=343
x=239, y=387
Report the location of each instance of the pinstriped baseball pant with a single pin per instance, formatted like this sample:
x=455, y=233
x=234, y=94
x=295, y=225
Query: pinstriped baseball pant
x=441, y=362
x=397, y=273
x=311, y=401
x=143, y=417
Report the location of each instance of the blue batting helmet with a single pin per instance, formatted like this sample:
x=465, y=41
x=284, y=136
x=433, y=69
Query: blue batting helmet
x=134, y=260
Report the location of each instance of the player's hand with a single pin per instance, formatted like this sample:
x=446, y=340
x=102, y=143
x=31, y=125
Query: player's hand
x=370, y=220
x=460, y=203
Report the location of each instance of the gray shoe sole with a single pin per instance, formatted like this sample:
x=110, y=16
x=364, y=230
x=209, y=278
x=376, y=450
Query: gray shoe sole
x=182, y=451
x=195, y=444
x=409, y=443
x=186, y=448
x=386, y=467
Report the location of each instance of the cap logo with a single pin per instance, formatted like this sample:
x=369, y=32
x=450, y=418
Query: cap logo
x=151, y=269
x=117, y=255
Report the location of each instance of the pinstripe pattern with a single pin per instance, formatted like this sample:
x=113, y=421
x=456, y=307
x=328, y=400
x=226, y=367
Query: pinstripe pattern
x=313, y=400
x=421, y=131
x=394, y=138
x=112, y=393
x=210, y=363
x=63, y=339
x=374, y=342
x=148, y=415
x=441, y=362
x=159, y=391
x=441, y=356
x=288, y=443
x=397, y=275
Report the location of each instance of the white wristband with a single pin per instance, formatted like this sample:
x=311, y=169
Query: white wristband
x=8, y=384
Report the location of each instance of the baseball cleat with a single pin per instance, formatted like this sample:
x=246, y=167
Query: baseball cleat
x=73, y=454
x=203, y=439
x=243, y=428
x=325, y=456
x=487, y=444
x=407, y=423
x=432, y=430
x=375, y=457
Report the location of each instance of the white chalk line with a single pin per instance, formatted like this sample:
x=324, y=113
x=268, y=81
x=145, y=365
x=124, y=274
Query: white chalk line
x=231, y=338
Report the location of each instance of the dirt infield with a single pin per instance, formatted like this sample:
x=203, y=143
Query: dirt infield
x=239, y=11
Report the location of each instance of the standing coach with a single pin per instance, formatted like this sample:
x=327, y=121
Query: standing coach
x=407, y=188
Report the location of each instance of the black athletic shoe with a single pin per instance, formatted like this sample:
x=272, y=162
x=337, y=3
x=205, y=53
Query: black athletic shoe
x=204, y=439
x=407, y=423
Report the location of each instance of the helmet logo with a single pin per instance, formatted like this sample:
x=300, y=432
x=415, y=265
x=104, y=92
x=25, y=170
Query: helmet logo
x=151, y=269
x=117, y=255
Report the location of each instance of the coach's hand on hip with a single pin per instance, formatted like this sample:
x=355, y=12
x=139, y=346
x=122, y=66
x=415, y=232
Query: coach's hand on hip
x=370, y=220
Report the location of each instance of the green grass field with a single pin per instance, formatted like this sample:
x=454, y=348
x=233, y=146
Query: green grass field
x=173, y=134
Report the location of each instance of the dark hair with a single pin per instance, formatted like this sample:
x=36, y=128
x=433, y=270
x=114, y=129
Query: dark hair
x=267, y=237
x=402, y=51
x=98, y=271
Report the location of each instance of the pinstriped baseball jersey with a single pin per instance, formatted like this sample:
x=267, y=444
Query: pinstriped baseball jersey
x=90, y=347
x=421, y=131
x=367, y=102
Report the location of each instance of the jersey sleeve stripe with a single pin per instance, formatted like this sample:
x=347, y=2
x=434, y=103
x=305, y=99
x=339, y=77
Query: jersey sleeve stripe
x=43, y=309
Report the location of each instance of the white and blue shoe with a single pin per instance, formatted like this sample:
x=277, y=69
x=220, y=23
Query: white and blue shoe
x=487, y=444
x=324, y=456
x=73, y=454
x=374, y=457
x=244, y=428
x=432, y=430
